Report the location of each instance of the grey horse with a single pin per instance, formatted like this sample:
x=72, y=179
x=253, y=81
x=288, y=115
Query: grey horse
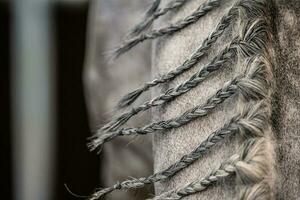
x=195, y=103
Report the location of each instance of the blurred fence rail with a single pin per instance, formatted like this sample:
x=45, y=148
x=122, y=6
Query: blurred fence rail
x=32, y=100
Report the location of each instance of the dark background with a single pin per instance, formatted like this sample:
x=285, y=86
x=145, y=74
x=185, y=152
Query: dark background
x=77, y=167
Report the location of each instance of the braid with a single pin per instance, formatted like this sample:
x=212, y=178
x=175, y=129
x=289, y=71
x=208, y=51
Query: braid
x=248, y=86
x=189, y=63
x=153, y=13
x=254, y=10
x=169, y=30
x=249, y=43
x=253, y=156
x=250, y=122
x=254, y=162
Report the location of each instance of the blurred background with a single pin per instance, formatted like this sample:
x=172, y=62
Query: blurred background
x=57, y=88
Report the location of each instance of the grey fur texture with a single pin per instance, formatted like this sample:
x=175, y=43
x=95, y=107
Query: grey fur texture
x=256, y=180
x=177, y=139
x=286, y=118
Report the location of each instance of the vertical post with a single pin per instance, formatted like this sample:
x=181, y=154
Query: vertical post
x=33, y=100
